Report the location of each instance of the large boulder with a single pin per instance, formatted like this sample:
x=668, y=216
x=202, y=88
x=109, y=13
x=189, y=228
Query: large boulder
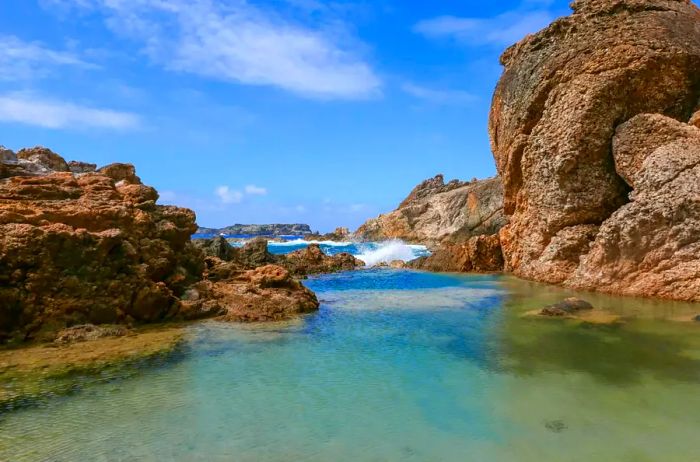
x=564, y=94
x=84, y=249
x=41, y=160
x=436, y=211
x=7, y=155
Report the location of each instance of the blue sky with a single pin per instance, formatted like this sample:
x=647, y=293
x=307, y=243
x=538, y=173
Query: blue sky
x=310, y=111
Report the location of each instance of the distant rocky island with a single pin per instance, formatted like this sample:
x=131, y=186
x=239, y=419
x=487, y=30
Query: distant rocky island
x=296, y=229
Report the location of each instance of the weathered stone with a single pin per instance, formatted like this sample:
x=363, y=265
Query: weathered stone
x=7, y=156
x=312, y=260
x=435, y=211
x=637, y=138
x=567, y=307
x=480, y=254
x=121, y=172
x=81, y=167
x=41, y=160
x=87, y=332
x=563, y=94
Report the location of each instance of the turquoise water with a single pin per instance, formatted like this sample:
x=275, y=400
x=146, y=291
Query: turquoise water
x=396, y=365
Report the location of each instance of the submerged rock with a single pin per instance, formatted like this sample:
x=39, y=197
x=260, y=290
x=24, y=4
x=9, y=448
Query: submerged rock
x=616, y=73
x=567, y=307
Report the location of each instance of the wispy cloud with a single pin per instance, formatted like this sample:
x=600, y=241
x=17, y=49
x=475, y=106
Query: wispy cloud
x=502, y=30
x=255, y=190
x=237, y=42
x=30, y=109
x=228, y=195
x=439, y=96
x=21, y=60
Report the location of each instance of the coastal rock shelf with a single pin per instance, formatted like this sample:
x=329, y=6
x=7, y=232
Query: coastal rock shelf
x=600, y=167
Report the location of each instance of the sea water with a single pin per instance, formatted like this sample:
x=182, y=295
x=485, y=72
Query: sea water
x=397, y=365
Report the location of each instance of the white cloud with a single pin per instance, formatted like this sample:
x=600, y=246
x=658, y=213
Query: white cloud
x=237, y=42
x=228, y=195
x=502, y=30
x=255, y=190
x=20, y=60
x=435, y=96
x=32, y=110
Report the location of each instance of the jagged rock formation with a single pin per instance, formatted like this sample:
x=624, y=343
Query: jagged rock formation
x=83, y=246
x=260, y=230
x=435, y=211
x=310, y=260
x=570, y=150
x=87, y=248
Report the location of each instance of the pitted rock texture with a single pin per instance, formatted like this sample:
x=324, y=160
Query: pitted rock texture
x=312, y=260
x=435, y=211
x=79, y=249
x=480, y=254
x=564, y=94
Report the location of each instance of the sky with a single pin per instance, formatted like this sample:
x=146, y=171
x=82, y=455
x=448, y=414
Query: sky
x=266, y=111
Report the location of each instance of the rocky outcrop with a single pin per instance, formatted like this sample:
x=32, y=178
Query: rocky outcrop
x=86, y=249
x=309, y=260
x=266, y=293
x=589, y=129
x=312, y=260
x=260, y=230
x=81, y=248
x=434, y=212
x=480, y=254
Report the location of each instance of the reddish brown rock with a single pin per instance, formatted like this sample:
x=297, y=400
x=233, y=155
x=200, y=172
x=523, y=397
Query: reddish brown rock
x=267, y=293
x=81, y=167
x=312, y=260
x=563, y=94
x=435, y=211
x=79, y=250
x=480, y=254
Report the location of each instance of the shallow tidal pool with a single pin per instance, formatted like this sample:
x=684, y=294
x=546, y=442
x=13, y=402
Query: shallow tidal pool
x=397, y=365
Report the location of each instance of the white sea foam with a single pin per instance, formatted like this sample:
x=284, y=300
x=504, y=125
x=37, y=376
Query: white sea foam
x=388, y=251
x=305, y=242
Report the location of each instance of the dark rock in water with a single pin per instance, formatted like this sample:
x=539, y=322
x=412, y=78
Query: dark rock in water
x=697, y=318
x=556, y=426
x=312, y=260
x=338, y=235
x=85, y=332
x=566, y=307
x=81, y=167
x=255, y=253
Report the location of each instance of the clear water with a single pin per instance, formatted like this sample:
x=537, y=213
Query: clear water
x=397, y=366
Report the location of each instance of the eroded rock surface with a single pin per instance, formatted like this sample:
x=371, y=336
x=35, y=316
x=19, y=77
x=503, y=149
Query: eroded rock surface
x=480, y=254
x=435, y=211
x=598, y=198
x=312, y=260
